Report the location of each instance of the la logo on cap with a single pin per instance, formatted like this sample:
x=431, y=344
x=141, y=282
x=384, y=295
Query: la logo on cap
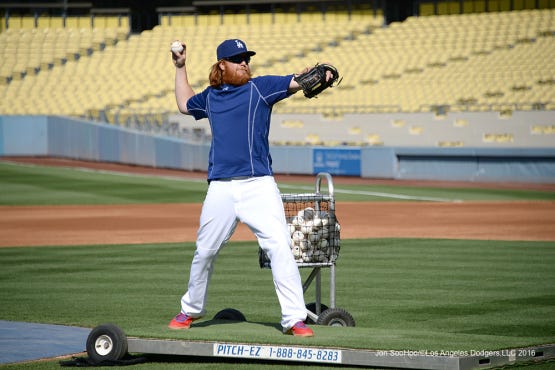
x=232, y=47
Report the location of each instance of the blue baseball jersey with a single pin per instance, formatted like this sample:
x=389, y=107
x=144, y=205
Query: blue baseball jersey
x=239, y=117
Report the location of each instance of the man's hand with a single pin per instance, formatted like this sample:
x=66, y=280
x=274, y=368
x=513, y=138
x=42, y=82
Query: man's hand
x=179, y=57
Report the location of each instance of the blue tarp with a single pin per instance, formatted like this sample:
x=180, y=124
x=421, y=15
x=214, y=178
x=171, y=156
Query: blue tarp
x=21, y=341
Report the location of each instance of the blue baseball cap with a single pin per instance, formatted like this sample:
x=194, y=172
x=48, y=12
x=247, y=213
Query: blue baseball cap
x=230, y=48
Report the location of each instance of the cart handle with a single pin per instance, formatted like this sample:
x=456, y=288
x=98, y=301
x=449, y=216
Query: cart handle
x=319, y=178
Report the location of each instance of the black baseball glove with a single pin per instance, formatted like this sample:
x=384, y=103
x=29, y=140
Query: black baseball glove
x=314, y=81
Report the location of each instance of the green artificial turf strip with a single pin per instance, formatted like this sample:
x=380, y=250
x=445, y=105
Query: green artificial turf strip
x=42, y=185
x=446, y=295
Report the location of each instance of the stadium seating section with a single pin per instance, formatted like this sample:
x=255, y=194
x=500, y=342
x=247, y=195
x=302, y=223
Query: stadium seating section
x=487, y=61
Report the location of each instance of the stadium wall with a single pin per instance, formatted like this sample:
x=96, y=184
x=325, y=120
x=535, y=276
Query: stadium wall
x=85, y=140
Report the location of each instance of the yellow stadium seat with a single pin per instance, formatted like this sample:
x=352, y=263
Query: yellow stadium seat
x=468, y=62
x=28, y=22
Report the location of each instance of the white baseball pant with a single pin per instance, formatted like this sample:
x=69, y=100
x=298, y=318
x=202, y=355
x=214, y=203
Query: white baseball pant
x=257, y=203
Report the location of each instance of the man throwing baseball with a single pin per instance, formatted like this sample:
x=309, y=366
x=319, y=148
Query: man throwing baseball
x=241, y=184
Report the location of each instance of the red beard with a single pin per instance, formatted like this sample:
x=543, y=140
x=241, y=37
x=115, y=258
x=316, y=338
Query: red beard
x=236, y=78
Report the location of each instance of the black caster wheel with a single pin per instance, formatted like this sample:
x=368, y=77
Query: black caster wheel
x=230, y=314
x=312, y=308
x=106, y=342
x=335, y=317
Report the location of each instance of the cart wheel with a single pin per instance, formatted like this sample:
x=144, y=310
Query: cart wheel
x=106, y=342
x=230, y=314
x=312, y=308
x=335, y=317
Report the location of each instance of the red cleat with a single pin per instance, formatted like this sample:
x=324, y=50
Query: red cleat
x=300, y=330
x=181, y=321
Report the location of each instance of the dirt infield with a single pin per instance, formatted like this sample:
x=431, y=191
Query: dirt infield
x=152, y=223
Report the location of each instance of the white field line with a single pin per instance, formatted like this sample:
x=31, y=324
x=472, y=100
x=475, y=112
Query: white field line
x=109, y=172
x=380, y=194
x=309, y=189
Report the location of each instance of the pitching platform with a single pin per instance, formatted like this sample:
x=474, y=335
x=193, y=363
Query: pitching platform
x=335, y=356
x=108, y=342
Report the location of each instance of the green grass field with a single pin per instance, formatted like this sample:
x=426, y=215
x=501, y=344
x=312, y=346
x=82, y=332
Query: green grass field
x=35, y=185
x=445, y=295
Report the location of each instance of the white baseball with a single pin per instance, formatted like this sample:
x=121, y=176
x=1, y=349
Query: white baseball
x=297, y=236
x=177, y=47
x=323, y=244
x=307, y=256
x=324, y=233
x=297, y=220
x=297, y=251
x=304, y=245
x=314, y=237
x=291, y=228
x=318, y=256
x=317, y=222
x=306, y=227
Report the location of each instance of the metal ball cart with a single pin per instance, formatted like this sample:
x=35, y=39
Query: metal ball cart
x=315, y=243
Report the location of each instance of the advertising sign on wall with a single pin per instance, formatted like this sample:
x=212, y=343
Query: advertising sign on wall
x=336, y=161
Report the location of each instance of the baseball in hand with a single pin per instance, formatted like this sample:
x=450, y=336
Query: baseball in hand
x=177, y=47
